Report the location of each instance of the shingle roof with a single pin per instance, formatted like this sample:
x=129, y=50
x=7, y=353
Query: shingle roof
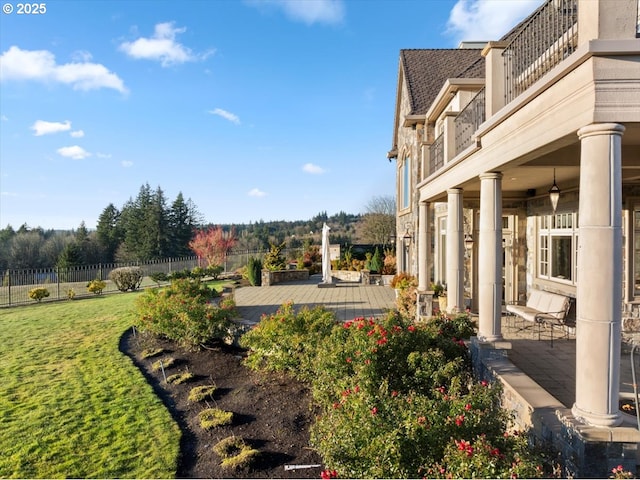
x=426, y=70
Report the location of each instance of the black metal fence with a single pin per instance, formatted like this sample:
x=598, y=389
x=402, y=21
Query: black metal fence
x=469, y=120
x=64, y=283
x=548, y=37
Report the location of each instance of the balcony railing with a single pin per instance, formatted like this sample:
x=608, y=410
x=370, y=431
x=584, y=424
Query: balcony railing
x=436, y=154
x=468, y=121
x=549, y=36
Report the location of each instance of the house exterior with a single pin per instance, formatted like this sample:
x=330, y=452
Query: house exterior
x=481, y=136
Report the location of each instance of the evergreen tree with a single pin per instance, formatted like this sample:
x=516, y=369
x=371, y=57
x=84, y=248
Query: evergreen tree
x=109, y=232
x=183, y=220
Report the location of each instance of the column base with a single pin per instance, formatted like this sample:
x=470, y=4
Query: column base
x=489, y=338
x=597, y=419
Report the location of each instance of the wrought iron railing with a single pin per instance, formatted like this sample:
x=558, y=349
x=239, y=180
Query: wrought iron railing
x=436, y=154
x=468, y=121
x=547, y=38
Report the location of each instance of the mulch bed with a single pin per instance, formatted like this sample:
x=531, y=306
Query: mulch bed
x=272, y=413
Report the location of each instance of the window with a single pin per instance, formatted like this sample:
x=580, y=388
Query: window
x=636, y=250
x=405, y=184
x=558, y=247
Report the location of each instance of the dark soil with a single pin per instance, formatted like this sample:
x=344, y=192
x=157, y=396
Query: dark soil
x=272, y=413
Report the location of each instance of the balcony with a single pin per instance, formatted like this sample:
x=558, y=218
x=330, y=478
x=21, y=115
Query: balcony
x=468, y=121
x=436, y=154
x=548, y=37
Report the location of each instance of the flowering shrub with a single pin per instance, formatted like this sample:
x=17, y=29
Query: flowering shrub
x=286, y=341
x=396, y=399
x=620, y=472
x=503, y=457
x=183, y=312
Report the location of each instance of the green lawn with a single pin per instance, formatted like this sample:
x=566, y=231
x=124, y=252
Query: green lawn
x=71, y=405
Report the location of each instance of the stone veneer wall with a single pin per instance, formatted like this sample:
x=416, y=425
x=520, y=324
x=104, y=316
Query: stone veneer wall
x=271, y=277
x=583, y=451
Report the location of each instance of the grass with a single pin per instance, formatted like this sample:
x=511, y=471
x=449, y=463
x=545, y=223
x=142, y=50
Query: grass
x=72, y=405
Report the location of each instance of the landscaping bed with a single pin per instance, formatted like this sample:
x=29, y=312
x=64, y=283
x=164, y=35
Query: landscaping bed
x=271, y=412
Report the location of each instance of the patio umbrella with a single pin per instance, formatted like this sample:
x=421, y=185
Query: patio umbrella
x=326, y=255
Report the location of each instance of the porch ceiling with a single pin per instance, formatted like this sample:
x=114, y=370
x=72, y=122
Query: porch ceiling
x=533, y=175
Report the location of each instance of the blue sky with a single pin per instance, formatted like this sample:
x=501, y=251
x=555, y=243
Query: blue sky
x=256, y=110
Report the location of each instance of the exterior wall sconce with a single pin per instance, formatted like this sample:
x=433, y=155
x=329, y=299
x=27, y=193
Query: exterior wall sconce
x=407, y=238
x=554, y=193
x=468, y=242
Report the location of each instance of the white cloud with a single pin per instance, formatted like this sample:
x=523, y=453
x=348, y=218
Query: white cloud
x=330, y=12
x=233, y=118
x=162, y=46
x=256, y=192
x=103, y=155
x=75, y=152
x=479, y=20
x=41, y=127
x=313, y=169
x=77, y=133
x=126, y=163
x=81, y=56
x=40, y=65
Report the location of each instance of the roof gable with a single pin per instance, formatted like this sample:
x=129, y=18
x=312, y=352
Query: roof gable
x=426, y=71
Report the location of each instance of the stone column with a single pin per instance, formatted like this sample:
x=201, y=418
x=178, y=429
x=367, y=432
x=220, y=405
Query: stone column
x=455, y=251
x=490, y=257
x=423, y=252
x=599, y=278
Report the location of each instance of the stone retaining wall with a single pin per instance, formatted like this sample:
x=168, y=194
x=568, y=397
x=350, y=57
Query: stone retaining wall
x=272, y=277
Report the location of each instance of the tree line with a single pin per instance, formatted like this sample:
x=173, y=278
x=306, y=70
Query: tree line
x=150, y=227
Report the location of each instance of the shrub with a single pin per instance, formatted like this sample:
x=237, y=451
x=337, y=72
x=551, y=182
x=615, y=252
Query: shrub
x=71, y=294
x=254, y=271
x=402, y=280
x=152, y=352
x=214, y=271
x=183, y=312
x=214, y=417
x=375, y=262
x=235, y=453
x=127, y=278
x=286, y=341
x=197, y=272
x=159, y=277
x=389, y=263
x=197, y=394
x=163, y=363
x=179, y=378
x=274, y=260
x=396, y=399
x=409, y=390
x=38, y=293
x=96, y=286
x=500, y=457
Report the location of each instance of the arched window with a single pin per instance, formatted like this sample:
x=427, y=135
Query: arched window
x=405, y=184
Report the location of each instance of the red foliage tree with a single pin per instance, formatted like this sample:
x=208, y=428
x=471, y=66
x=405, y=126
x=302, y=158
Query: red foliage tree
x=213, y=244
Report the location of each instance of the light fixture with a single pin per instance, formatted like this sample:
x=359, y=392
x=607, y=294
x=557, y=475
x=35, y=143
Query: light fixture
x=554, y=193
x=468, y=241
x=407, y=238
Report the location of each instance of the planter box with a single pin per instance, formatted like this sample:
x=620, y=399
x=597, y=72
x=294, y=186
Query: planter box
x=272, y=277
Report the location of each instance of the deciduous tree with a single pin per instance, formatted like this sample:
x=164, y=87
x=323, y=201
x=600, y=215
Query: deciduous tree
x=213, y=244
